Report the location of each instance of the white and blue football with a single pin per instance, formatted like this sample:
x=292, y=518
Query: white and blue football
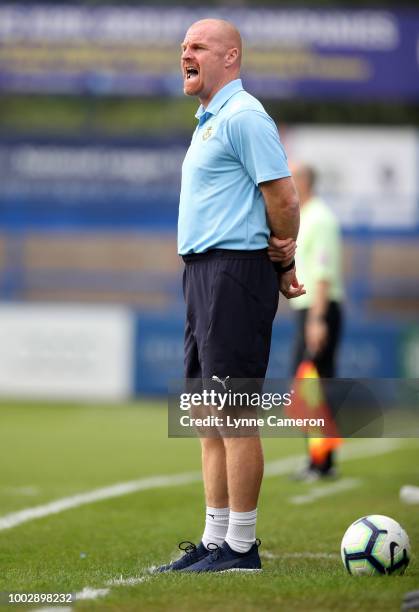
x=375, y=545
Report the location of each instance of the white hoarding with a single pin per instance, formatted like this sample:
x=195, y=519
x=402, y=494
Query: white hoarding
x=369, y=176
x=66, y=352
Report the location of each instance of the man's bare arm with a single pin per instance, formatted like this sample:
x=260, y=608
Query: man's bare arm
x=318, y=310
x=316, y=328
x=283, y=214
x=282, y=207
x=281, y=251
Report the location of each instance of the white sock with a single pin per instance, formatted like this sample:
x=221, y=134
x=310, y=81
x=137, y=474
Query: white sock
x=216, y=524
x=241, y=533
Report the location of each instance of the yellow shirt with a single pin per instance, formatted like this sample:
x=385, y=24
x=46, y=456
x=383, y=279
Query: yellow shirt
x=319, y=252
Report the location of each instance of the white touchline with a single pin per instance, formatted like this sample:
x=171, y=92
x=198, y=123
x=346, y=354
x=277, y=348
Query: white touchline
x=89, y=593
x=123, y=488
x=326, y=490
x=93, y=593
x=127, y=581
x=266, y=554
x=356, y=450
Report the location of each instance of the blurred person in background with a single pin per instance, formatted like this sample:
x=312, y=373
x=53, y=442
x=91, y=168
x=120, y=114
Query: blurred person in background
x=319, y=311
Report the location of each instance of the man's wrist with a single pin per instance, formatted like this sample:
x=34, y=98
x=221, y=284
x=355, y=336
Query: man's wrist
x=280, y=268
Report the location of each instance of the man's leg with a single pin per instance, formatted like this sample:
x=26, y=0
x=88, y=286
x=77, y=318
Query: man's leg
x=197, y=289
x=244, y=472
x=216, y=494
x=235, y=345
x=244, y=303
x=193, y=377
x=244, y=475
x=214, y=472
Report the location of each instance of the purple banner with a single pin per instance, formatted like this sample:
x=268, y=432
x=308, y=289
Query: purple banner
x=135, y=50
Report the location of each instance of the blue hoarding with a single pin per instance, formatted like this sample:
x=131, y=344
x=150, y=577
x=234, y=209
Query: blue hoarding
x=369, y=350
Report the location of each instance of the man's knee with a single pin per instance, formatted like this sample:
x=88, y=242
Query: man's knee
x=246, y=443
x=212, y=444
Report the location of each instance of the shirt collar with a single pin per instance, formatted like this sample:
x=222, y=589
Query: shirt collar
x=220, y=98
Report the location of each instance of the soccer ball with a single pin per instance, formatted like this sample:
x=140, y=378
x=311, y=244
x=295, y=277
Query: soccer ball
x=375, y=545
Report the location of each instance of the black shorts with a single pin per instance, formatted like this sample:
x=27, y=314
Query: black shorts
x=231, y=301
x=325, y=361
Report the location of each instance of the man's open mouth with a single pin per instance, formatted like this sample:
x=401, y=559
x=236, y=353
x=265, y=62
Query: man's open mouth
x=191, y=72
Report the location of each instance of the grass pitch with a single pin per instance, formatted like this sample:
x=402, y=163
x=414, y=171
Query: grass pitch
x=49, y=452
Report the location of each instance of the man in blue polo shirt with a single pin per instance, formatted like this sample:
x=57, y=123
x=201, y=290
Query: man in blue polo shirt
x=237, y=195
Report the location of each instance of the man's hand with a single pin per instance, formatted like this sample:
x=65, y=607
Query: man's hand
x=315, y=335
x=281, y=251
x=289, y=285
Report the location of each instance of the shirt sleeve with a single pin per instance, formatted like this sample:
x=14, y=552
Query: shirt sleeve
x=253, y=138
x=325, y=253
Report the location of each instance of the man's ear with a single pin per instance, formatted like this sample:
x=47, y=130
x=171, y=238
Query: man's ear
x=231, y=56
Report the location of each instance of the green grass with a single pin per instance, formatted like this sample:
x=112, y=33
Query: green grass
x=59, y=450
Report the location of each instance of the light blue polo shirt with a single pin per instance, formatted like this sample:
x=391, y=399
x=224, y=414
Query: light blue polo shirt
x=235, y=147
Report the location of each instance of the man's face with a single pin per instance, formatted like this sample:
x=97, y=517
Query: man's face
x=202, y=62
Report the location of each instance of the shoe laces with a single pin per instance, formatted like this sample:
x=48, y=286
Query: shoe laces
x=215, y=552
x=187, y=547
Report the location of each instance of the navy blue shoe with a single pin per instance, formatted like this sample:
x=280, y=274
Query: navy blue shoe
x=223, y=559
x=193, y=554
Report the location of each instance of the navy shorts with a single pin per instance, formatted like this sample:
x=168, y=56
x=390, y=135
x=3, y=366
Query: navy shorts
x=231, y=301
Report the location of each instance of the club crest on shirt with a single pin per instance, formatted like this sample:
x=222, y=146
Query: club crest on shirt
x=207, y=133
